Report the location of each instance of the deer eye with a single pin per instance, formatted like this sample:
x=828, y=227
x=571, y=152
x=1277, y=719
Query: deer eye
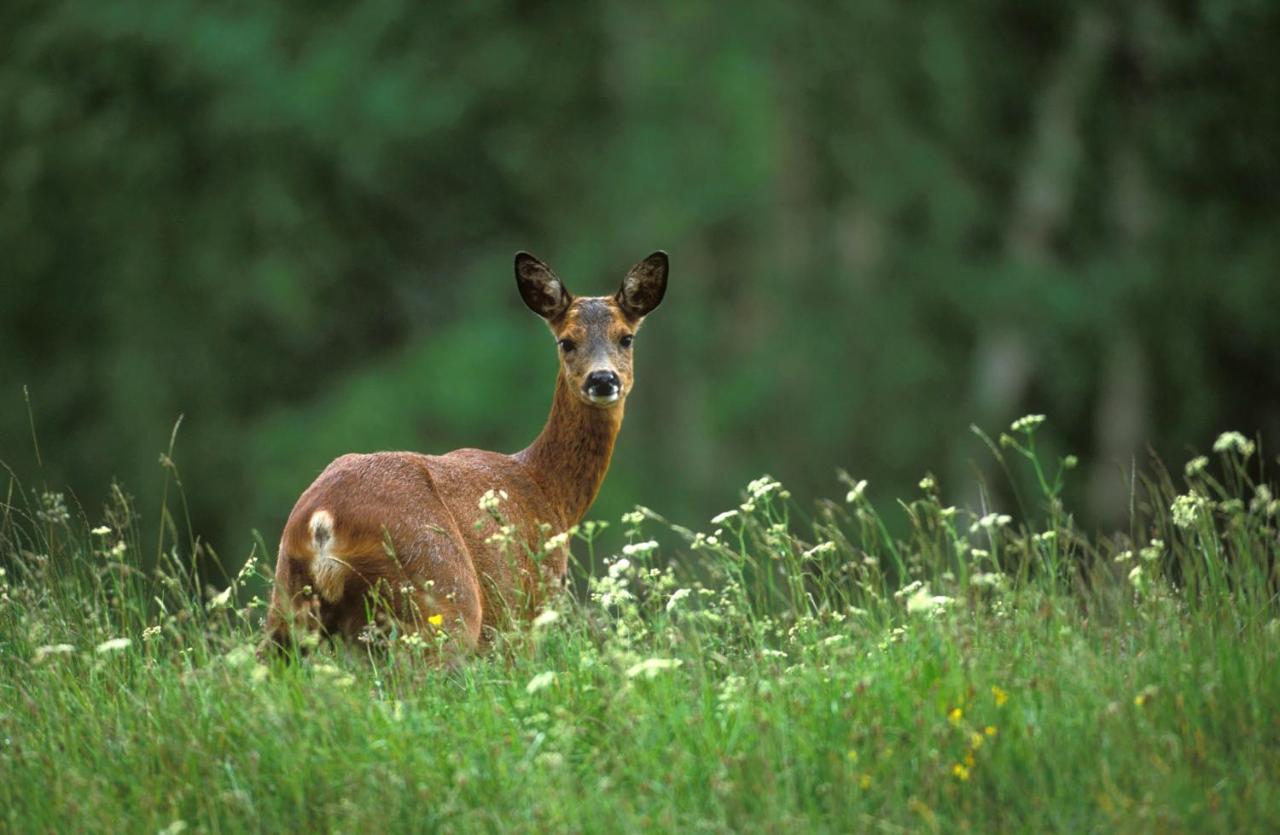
x=625, y=341
x=567, y=345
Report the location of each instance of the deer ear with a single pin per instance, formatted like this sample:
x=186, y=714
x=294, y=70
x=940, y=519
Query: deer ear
x=644, y=286
x=541, y=288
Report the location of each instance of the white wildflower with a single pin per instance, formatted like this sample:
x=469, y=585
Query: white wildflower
x=1229, y=441
x=101, y=530
x=988, y=580
x=491, y=499
x=635, y=548
x=1196, y=465
x=505, y=535
x=922, y=601
x=413, y=640
x=856, y=492
x=721, y=518
x=820, y=549
x=1186, y=509
x=927, y=484
x=1027, y=423
x=676, y=597
x=619, y=567
x=908, y=589
x=991, y=522
x=112, y=645
x=1152, y=552
x=651, y=667
x=557, y=542
x=1262, y=503
x=540, y=682
x=221, y=599
x=247, y=569
x=546, y=617
x=763, y=486
x=633, y=518
x=52, y=649
x=702, y=540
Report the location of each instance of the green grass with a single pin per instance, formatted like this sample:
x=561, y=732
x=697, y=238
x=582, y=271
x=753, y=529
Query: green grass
x=977, y=672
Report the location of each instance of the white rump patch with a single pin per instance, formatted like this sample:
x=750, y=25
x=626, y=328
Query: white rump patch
x=330, y=573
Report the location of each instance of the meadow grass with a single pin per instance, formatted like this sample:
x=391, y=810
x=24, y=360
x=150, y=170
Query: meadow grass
x=774, y=672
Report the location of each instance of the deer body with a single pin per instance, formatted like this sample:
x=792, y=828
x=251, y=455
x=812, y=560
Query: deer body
x=403, y=536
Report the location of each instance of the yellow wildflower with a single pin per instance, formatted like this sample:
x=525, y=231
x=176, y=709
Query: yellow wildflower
x=1000, y=696
x=969, y=760
x=955, y=716
x=852, y=756
x=436, y=619
x=961, y=772
x=864, y=782
x=975, y=740
x=991, y=730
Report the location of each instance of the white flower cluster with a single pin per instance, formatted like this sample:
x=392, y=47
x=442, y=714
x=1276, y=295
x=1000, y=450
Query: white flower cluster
x=988, y=580
x=1027, y=423
x=759, y=490
x=721, y=518
x=638, y=548
x=761, y=487
x=560, y=540
x=704, y=540
x=1234, y=441
x=1263, y=503
x=922, y=602
x=676, y=597
x=1186, y=509
x=540, y=682
x=991, y=522
x=651, y=667
x=491, y=499
x=545, y=618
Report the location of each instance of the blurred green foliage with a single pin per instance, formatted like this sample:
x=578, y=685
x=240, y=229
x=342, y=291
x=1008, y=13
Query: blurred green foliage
x=293, y=224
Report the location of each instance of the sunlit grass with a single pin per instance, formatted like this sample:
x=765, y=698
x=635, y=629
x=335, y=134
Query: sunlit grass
x=776, y=670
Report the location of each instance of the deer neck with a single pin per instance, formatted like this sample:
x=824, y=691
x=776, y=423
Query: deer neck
x=570, y=457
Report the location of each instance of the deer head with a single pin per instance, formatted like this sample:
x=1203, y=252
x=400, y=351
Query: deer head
x=594, y=333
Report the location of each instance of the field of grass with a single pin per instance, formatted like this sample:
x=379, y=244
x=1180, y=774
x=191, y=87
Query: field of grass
x=788, y=668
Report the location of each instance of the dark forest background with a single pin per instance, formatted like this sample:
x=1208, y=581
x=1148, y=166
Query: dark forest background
x=293, y=223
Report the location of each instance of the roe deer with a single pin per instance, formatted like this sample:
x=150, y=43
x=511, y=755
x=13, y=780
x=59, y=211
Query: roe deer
x=406, y=537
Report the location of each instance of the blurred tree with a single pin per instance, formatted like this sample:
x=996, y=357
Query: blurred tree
x=293, y=223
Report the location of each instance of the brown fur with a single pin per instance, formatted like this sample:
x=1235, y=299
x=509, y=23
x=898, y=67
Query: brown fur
x=401, y=535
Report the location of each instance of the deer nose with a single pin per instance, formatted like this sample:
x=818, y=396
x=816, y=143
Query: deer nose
x=602, y=384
